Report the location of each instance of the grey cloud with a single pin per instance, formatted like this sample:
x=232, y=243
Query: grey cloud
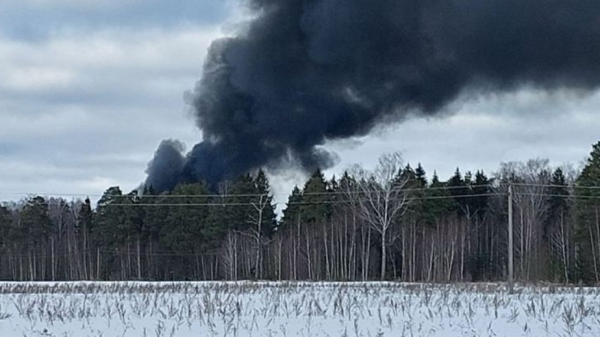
x=40, y=20
x=96, y=128
x=481, y=134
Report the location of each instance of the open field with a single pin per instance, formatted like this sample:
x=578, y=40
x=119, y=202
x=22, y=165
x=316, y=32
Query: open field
x=294, y=309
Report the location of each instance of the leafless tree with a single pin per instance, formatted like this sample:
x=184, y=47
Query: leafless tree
x=531, y=206
x=383, y=199
x=255, y=233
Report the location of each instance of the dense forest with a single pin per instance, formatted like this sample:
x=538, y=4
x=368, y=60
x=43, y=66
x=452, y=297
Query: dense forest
x=393, y=222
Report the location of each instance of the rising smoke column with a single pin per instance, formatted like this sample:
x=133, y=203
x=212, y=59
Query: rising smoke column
x=306, y=71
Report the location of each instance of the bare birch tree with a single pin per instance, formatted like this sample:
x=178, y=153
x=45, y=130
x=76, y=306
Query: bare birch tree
x=256, y=233
x=383, y=199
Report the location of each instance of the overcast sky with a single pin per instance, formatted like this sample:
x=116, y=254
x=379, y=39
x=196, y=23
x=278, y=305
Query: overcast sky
x=89, y=88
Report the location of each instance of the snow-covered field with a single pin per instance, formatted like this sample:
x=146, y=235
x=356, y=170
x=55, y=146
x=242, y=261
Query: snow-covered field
x=294, y=309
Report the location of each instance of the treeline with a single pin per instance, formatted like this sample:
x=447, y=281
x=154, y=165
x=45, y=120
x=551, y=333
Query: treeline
x=390, y=223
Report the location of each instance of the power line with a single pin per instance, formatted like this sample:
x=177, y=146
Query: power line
x=566, y=196
x=301, y=202
x=249, y=194
x=353, y=192
x=223, y=197
x=347, y=201
x=557, y=186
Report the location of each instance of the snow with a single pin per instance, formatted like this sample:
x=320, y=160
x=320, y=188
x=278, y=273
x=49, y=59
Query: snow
x=185, y=309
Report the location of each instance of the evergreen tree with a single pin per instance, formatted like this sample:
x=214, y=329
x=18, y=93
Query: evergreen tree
x=184, y=232
x=83, y=227
x=263, y=190
x=558, y=200
x=316, y=210
x=231, y=210
x=409, y=175
x=36, y=229
x=420, y=176
x=85, y=215
x=5, y=239
x=415, y=183
x=557, y=228
x=457, y=187
x=481, y=188
x=106, y=231
x=438, y=200
x=35, y=221
x=184, y=228
x=421, y=207
x=317, y=205
x=333, y=188
x=292, y=211
x=156, y=216
x=4, y=226
x=588, y=218
x=243, y=192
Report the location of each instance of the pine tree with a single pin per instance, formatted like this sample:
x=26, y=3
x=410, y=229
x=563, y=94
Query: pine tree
x=293, y=209
x=588, y=219
x=85, y=218
x=106, y=232
x=316, y=211
x=185, y=230
x=244, y=192
x=37, y=228
x=4, y=226
x=558, y=200
x=262, y=218
x=421, y=206
x=557, y=230
x=408, y=175
x=420, y=176
x=438, y=200
x=263, y=191
x=457, y=188
x=316, y=207
x=35, y=220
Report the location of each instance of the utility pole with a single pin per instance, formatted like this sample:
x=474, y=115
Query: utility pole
x=511, y=274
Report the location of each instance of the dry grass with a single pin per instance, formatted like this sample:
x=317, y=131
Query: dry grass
x=295, y=309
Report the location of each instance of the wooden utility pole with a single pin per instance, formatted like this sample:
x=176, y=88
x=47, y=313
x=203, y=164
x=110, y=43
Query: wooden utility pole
x=511, y=274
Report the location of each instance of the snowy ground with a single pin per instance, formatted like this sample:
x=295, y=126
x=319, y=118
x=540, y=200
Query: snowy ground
x=294, y=309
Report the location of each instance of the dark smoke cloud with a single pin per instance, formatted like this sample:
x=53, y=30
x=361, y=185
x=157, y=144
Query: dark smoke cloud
x=166, y=169
x=305, y=71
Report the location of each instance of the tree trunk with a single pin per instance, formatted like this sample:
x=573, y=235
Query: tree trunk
x=383, y=253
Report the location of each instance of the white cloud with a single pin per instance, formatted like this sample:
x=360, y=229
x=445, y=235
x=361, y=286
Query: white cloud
x=73, y=60
x=41, y=4
x=81, y=113
x=483, y=133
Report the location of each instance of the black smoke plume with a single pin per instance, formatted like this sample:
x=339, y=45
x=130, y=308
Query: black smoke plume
x=305, y=71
